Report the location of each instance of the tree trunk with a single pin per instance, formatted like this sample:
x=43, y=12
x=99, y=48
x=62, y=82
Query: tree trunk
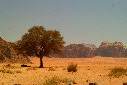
x=41, y=62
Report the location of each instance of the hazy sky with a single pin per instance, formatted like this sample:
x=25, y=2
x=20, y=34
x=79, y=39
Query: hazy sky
x=79, y=21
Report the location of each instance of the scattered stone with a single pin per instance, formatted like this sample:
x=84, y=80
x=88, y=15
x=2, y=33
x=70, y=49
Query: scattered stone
x=87, y=80
x=17, y=84
x=25, y=66
x=92, y=84
x=125, y=83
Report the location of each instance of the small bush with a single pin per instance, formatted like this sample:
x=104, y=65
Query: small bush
x=9, y=66
x=52, y=81
x=68, y=80
x=72, y=67
x=51, y=69
x=55, y=80
x=117, y=72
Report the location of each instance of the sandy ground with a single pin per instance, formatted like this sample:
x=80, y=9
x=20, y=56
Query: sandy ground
x=89, y=70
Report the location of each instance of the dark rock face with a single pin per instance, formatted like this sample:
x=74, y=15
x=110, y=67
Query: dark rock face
x=8, y=53
x=5, y=50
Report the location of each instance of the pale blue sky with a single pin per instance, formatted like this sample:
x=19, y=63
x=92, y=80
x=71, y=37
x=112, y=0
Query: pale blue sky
x=79, y=21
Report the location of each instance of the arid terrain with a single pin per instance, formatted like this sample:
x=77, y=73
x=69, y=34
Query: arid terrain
x=94, y=69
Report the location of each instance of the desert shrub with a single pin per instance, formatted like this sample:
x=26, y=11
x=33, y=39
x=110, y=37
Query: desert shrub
x=10, y=66
x=9, y=70
x=55, y=80
x=6, y=71
x=68, y=81
x=117, y=72
x=51, y=69
x=18, y=71
x=72, y=67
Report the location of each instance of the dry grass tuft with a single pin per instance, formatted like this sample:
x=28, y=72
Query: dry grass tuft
x=117, y=72
x=9, y=69
x=31, y=68
x=52, y=68
x=56, y=80
x=6, y=71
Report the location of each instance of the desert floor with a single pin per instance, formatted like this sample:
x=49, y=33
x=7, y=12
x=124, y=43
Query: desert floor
x=89, y=70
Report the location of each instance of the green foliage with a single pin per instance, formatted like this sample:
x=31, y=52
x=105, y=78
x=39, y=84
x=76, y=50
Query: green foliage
x=117, y=72
x=72, y=67
x=40, y=41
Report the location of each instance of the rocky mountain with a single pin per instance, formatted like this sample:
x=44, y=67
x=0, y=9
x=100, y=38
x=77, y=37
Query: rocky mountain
x=8, y=53
x=78, y=50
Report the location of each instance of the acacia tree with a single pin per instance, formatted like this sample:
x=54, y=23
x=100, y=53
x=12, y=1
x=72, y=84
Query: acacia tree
x=41, y=42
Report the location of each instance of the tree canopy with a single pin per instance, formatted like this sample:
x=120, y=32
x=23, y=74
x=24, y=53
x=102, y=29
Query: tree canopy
x=40, y=42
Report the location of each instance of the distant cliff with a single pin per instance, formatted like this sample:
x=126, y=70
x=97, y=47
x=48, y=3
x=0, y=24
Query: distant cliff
x=78, y=50
x=106, y=49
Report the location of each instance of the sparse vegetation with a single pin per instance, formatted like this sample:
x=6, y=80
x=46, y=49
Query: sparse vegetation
x=6, y=71
x=9, y=69
x=31, y=68
x=117, y=72
x=72, y=67
x=56, y=80
x=51, y=68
